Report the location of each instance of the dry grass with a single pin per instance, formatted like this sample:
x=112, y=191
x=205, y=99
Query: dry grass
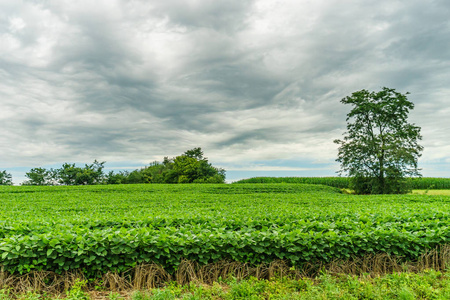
x=42, y=281
x=379, y=264
x=149, y=276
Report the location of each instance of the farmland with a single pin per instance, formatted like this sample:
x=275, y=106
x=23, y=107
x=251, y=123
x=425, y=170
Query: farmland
x=429, y=183
x=113, y=228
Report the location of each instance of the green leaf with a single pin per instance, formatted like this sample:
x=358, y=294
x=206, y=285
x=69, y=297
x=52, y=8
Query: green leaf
x=53, y=242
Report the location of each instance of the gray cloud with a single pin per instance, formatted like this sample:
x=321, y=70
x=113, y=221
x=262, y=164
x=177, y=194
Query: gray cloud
x=246, y=80
x=225, y=16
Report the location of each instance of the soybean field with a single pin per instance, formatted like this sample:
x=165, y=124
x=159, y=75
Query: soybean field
x=103, y=228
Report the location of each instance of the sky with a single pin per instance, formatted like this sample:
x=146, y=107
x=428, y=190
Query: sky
x=256, y=84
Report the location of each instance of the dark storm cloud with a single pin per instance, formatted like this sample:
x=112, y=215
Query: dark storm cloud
x=246, y=80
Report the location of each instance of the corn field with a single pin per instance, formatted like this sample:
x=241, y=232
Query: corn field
x=423, y=183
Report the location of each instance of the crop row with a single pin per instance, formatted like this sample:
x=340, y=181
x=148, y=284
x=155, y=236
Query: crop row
x=120, y=249
x=409, y=221
x=338, y=182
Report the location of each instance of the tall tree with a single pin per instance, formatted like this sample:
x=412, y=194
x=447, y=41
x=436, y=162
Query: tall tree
x=193, y=167
x=380, y=148
x=189, y=167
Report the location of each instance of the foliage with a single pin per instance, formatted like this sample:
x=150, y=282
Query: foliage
x=380, y=147
x=117, y=178
x=429, y=284
x=40, y=176
x=193, y=167
x=425, y=285
x=190, y=167
x=156, y=172
x=76, y=292
x=101, y=228
x=5, y=178
x=430, y=183
x=69, y=174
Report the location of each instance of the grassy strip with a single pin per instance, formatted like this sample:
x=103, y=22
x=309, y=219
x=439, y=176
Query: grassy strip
x=428, y=284
x=431, y=192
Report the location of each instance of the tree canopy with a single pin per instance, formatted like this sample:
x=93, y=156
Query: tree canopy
x=40, y=176
x=380, y=148
x=189, y=167
x=5, y=178
x=68, y=174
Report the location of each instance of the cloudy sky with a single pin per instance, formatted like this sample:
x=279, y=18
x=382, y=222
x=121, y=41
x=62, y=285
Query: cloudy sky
x=256, y=83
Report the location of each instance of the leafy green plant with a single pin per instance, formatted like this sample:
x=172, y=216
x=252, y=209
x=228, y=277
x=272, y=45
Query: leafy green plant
x=114, y=296
x=138, y=295
x=32, y=296
x=5, y=294
x=247, y=289
x=162, y=295
x=76, y=292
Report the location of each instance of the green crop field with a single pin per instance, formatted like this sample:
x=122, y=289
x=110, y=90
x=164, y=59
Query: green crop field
x=100, y=228
x=422, y=183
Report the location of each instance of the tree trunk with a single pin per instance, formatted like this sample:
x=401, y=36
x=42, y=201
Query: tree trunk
x=381, y=178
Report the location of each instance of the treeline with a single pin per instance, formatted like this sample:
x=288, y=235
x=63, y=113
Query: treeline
x=190, y=167
x=68, y=174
